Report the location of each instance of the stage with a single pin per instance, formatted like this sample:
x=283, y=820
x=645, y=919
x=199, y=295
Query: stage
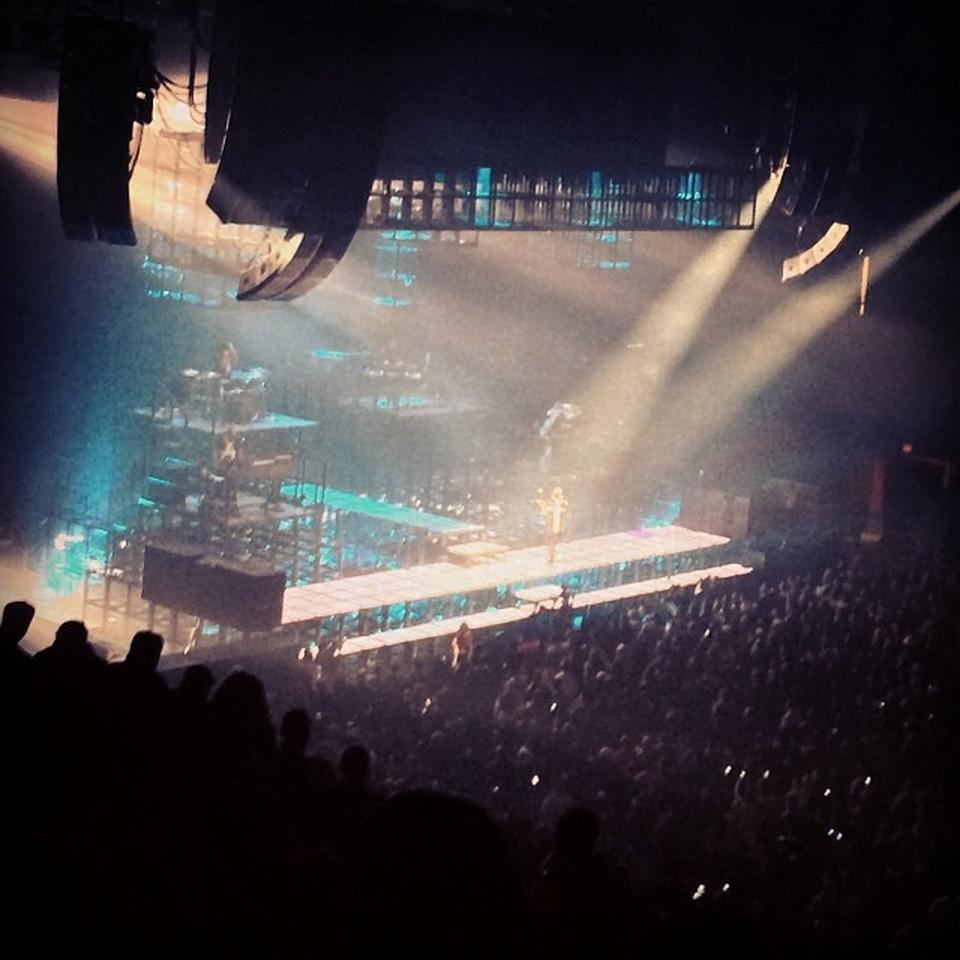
x=489, y=619
x=434, y=635
x=393, y=513
x=270, y=421
x=619, y=555
x=423, y=602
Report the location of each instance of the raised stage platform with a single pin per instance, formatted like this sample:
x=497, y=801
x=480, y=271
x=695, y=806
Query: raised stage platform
x=614, y=553
x=440, y=631
x=271, y=421
x=395, y=513
x=253, y=511
x=488, y=619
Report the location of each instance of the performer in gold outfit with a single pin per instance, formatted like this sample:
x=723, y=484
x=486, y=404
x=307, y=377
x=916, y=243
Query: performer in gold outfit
x=554, y=509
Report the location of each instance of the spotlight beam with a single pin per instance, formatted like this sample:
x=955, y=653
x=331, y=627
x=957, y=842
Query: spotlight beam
x=718, y=388
x=27, y=135
x=667, y=330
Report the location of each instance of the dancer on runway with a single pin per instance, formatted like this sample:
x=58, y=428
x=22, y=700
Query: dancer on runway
x=554, y=511
x=461, y=646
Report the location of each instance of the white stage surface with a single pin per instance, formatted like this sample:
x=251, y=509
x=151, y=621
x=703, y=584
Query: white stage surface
x=317, y=601
x=437, y=629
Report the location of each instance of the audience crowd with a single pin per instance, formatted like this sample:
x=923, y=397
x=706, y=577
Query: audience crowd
x=765, y=766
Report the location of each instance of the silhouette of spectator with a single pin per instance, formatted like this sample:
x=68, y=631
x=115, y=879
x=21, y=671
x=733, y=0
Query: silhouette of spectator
x=294, y=732
x=137, y=675
x=17, y=617
x=14, y=660
x=295, y=729
x=192, y=692
x=188, y=711
x=145, y=650
x=240, y=720
x=71, y=646
x=306, y=784
x=68, y=672
x=354, y=800
x=15, y=667
x=237, y=819
x=428, y=849
x=579, y=904
x=138, y=703
x=355, y=764
x=305, y=792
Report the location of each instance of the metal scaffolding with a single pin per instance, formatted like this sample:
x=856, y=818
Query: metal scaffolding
x=486, y=199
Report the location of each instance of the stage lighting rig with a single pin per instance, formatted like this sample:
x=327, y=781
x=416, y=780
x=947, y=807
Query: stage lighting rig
x=379, y=115
x=386, y=117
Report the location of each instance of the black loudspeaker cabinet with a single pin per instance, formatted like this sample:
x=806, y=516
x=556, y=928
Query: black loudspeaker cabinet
x=245, y=595
x=170, y=574
x=716, y=511
x=106, y=85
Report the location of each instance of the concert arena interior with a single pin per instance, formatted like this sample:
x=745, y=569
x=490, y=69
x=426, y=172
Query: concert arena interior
x=480, y=476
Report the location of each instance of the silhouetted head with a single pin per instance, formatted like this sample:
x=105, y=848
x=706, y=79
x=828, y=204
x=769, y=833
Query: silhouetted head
x=576, y=834
x=71, y=638
x=355, y=764
x=425, y=847
x=241, y=712
x=196, y=683
x=295, y=730
x=17, y=617
x=145, y=649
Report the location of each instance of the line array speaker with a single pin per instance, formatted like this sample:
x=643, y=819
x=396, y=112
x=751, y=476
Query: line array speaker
x=106, y=86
